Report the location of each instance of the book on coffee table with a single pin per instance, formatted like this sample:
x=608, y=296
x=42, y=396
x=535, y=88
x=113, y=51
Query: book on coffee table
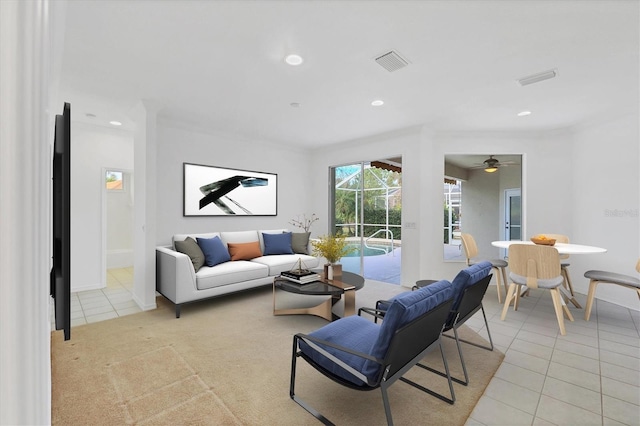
x=299, y=278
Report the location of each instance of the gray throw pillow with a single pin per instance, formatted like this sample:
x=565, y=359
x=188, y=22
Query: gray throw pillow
x=193, y=250
x=300, y=242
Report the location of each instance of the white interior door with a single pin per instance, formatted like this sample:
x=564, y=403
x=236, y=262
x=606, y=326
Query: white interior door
x=512, y=215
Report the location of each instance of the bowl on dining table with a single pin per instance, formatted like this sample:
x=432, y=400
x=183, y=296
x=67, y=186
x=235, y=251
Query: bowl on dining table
x=543, y=240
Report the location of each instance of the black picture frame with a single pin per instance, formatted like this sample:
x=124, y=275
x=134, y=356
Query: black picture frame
x=222, y=191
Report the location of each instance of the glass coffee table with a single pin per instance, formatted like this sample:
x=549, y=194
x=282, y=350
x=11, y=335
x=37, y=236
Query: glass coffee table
x=318, y=297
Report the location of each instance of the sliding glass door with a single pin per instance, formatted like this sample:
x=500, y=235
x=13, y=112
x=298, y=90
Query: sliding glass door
x=367, y=210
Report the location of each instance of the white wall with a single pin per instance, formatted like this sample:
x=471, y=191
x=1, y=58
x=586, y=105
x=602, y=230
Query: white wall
x=605, y=202
x=26, y=136
x=93, y=148
x=178, y=144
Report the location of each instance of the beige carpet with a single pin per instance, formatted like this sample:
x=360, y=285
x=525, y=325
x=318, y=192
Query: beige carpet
x=227, y=361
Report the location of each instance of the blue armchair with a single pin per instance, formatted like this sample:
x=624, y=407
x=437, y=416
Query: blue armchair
x=469, y=287
x=363, y=355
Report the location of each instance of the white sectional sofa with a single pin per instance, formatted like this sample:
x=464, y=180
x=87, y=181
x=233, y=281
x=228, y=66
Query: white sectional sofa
x=178, y=281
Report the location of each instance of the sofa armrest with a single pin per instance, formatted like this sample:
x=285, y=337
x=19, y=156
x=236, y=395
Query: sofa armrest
x=175, y=276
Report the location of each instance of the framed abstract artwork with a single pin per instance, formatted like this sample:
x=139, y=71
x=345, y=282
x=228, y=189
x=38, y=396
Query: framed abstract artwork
x=218, y=191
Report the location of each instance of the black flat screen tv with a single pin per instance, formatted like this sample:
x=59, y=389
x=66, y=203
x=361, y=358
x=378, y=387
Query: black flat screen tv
x=60, y=284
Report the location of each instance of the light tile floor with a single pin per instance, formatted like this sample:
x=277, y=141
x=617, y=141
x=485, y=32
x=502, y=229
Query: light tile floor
x=113, y=301
x=591, y=376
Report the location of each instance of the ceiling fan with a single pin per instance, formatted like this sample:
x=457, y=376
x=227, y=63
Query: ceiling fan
x=491, y=164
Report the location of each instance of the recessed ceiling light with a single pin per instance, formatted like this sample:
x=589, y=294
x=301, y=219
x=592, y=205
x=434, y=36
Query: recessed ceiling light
x=524, y=113
x=294, y=59
x=115, y=123
x=377, y=102
x=295, y=104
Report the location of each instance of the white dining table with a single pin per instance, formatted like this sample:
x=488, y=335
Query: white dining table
x=562, y=248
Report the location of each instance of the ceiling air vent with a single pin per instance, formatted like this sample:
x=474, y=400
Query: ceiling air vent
x=391, y=61
x=546, y=75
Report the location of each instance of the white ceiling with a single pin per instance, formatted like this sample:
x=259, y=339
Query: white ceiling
x=220, y=64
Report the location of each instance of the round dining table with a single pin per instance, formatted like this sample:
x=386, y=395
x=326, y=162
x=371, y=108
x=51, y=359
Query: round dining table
x=561, y=247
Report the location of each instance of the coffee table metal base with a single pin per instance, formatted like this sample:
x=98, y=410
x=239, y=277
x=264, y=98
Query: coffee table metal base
x=322, y=310
x=335, y=289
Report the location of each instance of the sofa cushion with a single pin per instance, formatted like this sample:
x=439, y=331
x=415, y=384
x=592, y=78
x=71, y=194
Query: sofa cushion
x=191, y=249
x=286, y=262
x=277, y=244
x=244, y=251
x=214, y=251
x=300, y=242
x=182, y=237
x=261, y=233
x=229, y=273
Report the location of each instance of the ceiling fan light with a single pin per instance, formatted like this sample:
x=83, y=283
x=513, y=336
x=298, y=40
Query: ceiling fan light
x=490, y=169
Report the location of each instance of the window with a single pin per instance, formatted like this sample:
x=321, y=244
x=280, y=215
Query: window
x=114, y=180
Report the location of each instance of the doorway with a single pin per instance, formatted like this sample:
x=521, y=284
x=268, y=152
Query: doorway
x=117, y=221
x=367, y=211
x=482, y=198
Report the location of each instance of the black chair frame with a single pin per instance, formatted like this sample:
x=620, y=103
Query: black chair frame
x=470, y=303
x=408, y=346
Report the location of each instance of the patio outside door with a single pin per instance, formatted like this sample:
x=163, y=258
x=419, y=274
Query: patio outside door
x=367, y=211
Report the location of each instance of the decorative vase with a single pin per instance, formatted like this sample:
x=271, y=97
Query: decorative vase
x=327, y=270
x=333, y=271
x=337, y=271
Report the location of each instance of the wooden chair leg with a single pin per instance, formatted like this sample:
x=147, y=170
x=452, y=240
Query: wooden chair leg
x=592, y=294
x=557, y=305
x=507, y=301
x=566, y=311
x=516, y=302
x=567, y=285
x=567, y=280
x=504, y=279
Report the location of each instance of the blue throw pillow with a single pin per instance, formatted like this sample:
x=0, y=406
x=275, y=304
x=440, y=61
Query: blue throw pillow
x=277, y=243
x=214, y=251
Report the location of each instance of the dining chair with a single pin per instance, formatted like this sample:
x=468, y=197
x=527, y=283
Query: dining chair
x=560, y=238
x=536, y=266
x=471, y=252
x=596, y=277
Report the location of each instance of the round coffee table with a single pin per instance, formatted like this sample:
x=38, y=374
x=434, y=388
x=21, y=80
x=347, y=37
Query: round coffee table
x=343, y=288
